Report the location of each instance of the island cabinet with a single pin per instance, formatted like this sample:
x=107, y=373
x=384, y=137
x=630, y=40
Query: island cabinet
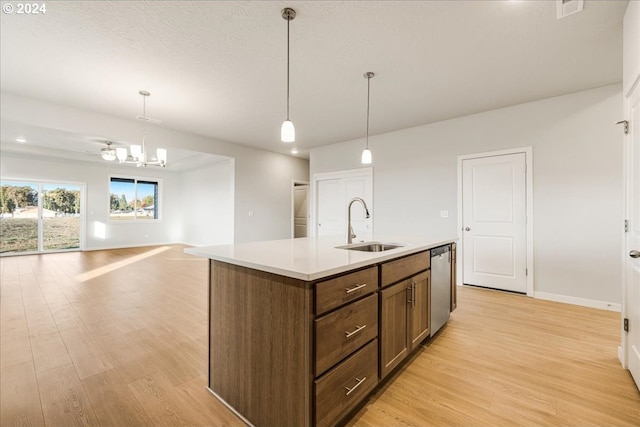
x=404, y=308
x=288, y=352
x=296, y=351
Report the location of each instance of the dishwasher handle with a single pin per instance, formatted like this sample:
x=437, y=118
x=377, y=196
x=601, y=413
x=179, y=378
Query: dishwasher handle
x=441, y=250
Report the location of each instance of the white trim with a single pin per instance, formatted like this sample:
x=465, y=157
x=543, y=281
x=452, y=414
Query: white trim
x=621, y=357
x=627, y=151
x=626, y=168
x=603, y=305
x=313, y=226
x=528, y=152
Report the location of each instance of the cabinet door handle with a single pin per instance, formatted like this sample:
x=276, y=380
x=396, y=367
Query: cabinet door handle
x=355, y=288
x=413, y=295
x=359, y=381
x=355, y=331
x=410, y=296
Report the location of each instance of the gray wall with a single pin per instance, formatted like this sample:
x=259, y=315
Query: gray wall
x=577, y=181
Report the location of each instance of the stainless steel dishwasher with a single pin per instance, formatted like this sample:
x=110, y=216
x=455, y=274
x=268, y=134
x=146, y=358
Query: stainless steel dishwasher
x=440, y=287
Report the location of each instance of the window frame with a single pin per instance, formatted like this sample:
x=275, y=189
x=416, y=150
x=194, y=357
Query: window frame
x=159, y=202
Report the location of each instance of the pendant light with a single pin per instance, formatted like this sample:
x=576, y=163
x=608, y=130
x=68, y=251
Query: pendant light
x=366, y=153
x=288, y=132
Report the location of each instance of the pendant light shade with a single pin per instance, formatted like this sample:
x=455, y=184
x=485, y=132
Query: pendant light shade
x=366, y=156
x=121, y=154
x=288, y=132
x=366, y=153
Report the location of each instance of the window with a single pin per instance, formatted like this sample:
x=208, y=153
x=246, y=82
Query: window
x=134, y=199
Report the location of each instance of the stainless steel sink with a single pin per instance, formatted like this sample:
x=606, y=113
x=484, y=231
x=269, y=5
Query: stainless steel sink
x=370, y=246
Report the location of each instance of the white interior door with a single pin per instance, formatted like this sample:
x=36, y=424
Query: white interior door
x=494, y=236
x=357, y=187
x=330, y=201
x=333, y=193
x=632, y=241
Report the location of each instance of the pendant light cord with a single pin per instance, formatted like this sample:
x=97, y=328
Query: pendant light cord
x=144, y=127
x=368, y=99
x=288, y=22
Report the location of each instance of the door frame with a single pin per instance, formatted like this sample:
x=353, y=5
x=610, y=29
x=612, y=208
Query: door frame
x=321, y=176
x=83, y=215
x=528, y=154
x=294, y=184
x=623, y=350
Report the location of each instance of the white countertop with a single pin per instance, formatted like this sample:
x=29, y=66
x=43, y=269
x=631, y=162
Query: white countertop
x=313, y=258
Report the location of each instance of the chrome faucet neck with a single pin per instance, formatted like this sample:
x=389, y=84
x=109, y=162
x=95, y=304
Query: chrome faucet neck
x=350, y=234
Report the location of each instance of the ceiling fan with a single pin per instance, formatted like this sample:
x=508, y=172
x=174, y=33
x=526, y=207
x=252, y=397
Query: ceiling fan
x=108, y=153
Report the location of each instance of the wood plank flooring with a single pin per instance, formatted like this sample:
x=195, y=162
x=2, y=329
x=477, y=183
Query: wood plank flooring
x=118, y=338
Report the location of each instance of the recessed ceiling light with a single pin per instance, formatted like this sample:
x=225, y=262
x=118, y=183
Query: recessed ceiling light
x=21, y=140
x=294, y=151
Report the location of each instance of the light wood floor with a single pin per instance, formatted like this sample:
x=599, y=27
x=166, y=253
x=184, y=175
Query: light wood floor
x=118, y=338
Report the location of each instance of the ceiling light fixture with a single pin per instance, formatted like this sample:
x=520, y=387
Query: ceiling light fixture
x=288, y=132
x=21, y=140
x=138, y=152
x=108, y=153
x=366, y=153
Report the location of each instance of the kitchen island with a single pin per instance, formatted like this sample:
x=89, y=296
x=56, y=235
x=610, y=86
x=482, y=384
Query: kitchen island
x=302, y=331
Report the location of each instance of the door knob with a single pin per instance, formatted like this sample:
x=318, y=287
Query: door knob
x=634, y=254
x=467, y=229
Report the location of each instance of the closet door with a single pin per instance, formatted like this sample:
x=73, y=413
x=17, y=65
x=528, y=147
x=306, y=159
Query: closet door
x=333, y=192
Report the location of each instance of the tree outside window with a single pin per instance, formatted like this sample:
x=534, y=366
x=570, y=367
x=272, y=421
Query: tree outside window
x=133, y=199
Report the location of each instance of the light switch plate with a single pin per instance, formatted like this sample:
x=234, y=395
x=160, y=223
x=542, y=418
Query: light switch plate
x=444, y=214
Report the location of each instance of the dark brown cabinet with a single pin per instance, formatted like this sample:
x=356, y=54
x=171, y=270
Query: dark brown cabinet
x=419, y=319
x=394, y=334
x=313, y=350
x=404, y=309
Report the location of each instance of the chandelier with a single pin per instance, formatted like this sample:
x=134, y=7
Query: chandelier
x=138, y=154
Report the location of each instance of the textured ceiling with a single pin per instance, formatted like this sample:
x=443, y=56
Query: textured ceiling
x=218, y=68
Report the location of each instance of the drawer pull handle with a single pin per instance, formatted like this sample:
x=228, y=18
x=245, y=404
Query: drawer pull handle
x=352, y=333
x=355, y=288
x=360, y=381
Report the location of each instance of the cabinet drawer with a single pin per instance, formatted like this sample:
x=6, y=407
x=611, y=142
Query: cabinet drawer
x=340, y=333
x=402, y=268
x=335, y=292
x=343, y=387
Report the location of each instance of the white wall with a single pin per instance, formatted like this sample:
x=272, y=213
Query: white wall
x=100, y=232
x=577, y=181
x=262, y=179
x=207, y=214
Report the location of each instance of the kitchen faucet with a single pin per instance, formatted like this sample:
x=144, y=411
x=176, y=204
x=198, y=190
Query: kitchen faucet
x=350, y=233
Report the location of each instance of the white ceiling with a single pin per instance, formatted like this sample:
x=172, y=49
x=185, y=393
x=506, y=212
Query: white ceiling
x=218, y=68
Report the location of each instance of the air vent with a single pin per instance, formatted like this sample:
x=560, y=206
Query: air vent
x=568, y=7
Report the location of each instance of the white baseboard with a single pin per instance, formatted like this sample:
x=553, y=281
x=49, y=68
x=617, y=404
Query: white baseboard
x=603, y=305
x=621, y=356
